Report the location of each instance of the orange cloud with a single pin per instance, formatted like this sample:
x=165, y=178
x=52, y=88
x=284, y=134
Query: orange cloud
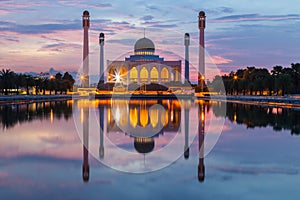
x=218, y=60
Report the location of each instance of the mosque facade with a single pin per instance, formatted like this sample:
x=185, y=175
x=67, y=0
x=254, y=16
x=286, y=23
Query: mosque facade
x=144, y=67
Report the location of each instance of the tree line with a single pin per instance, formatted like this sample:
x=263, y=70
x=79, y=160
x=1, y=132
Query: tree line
x=259, y=116
x=260, y=81
x=11, y=82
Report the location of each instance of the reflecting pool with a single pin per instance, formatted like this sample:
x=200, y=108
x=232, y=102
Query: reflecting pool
x=148, y=149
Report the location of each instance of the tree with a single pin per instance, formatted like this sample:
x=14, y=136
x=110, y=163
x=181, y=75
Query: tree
x=68, y=81
x=7, y=80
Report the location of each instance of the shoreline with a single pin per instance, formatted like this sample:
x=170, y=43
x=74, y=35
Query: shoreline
x=287, y=101
x=271, y=101
x=32, y=98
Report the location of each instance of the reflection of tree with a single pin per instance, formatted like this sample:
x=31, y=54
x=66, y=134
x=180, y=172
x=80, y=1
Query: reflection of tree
x=258, y=116
x=10, y=115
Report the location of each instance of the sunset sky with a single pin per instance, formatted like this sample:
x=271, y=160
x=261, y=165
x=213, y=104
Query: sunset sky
x=35, y=36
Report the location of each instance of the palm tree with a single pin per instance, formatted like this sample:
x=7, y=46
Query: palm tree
x=7, y=80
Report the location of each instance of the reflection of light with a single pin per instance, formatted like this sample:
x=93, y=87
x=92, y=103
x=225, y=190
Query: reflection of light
x=51, y=115
x=81, y=115
x=108, y=115
x=164, y=118
x=117, y=115
x=133, y=117
x=202, y=116
x=154, y=117
x=144, y=117
x=172, y=115
x=118, y=78
x=234, y=117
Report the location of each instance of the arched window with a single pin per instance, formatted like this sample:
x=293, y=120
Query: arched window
x=144, y=75
x=133, y=75
x=154, y=74
x=164, y=75
x=111, y=73
x=123, y=74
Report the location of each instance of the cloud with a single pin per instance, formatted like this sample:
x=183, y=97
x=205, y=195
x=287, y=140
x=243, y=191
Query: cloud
x=256, y=170
x=256, y=17
x=164, y=26
x=101, y=5
x=158, y=24
x=127, y=42
x=218, y=60
x=59, y=47
x=217, y=11
x=7, y=7
x=39, y=28
x=9, y=38
x=147, y=18
x=85, y=4
x=52, y=39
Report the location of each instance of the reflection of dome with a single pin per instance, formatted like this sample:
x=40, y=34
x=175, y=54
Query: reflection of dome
x=85, y=173
x=144, y=44
x=86, y=12
x=143, y=145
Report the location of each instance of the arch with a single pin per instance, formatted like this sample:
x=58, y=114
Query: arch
x=123, y=74
x=144, y=75
x=111, y=73
x=133, y=75
x=154, y=74
x=164, y=74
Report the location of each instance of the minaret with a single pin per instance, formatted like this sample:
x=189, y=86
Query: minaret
x=201, y=129
x=186, y=132
x=86, y=26
x=187, y=68
x=201, y=25
x=101, y=43
x=85, y=167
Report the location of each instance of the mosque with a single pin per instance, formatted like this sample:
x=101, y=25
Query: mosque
x=144, y=67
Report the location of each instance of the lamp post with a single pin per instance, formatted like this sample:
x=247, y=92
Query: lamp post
x=235, y=79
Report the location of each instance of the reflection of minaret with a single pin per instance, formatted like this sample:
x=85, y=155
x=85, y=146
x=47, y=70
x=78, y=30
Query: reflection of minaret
x=86, y=25
x=187, y=68
x=186, y=133
x=101, y=122
x=86, y=167
x=201, y=25
x=101, y=43
x=201, y=129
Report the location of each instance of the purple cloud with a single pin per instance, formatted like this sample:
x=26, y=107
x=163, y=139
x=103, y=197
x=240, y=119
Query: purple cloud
x=59, y=47
x=147, y=18
x=256, y=17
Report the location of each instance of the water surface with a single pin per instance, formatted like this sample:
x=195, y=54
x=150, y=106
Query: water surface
x=42, y=153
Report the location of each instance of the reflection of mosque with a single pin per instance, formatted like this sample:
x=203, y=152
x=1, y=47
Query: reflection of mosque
x=144, y=120
x=142, y=115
